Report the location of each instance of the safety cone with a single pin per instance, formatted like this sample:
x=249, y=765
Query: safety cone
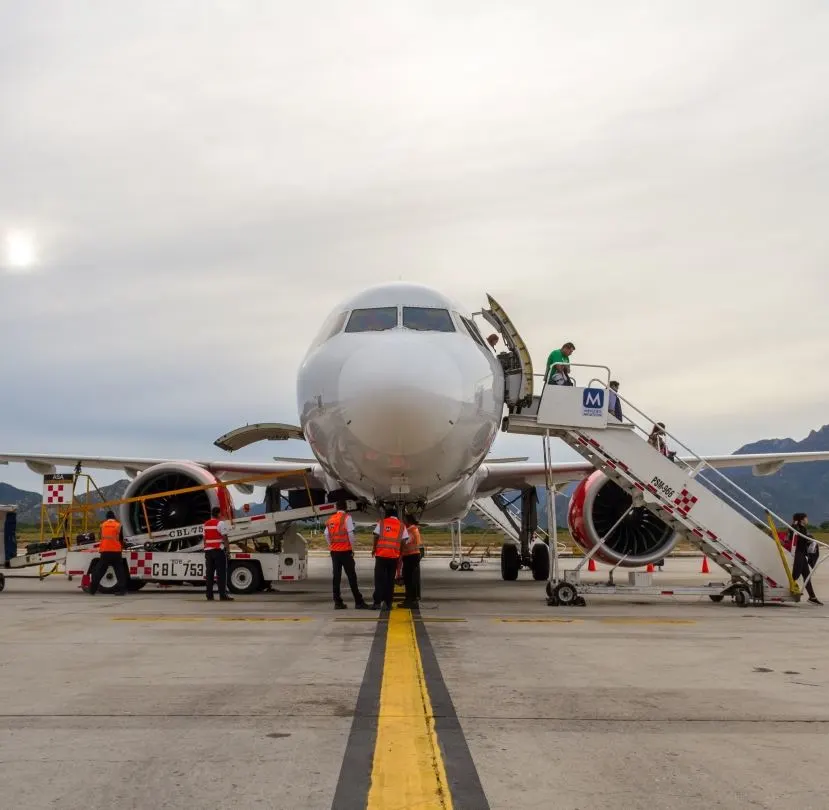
x=591, y=564
x=649, y=569
x=704, y=569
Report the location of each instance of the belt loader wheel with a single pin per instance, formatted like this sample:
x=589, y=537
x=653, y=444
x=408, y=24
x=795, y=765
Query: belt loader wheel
x=244, y=577
x=109, y=581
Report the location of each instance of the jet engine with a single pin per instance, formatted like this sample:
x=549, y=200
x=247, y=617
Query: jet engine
x=640, y=538
x=172, y=511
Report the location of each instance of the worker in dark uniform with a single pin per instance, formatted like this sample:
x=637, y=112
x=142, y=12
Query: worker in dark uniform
x=411, y=564
x=216, y=547
x=110, y=548
x=389, y=535
x=339, y=534
x=805, y=553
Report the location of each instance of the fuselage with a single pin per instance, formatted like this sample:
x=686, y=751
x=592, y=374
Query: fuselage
x=400, y=398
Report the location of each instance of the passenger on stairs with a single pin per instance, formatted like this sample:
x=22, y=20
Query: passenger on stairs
x=805, y=553
x=657, y=439
x=614, y=404
x=558, y=365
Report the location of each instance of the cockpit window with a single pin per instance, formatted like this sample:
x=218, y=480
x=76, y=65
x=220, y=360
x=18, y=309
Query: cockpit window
x=332, y=325
x=427, y=319
x=377, y=319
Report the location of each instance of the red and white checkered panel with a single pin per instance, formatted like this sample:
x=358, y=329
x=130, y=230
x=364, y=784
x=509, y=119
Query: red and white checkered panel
x=57, y=494
x=138, y=563
x=685, y=502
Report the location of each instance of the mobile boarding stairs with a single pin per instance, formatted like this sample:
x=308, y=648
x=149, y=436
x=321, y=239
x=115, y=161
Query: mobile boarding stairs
x=716, y=522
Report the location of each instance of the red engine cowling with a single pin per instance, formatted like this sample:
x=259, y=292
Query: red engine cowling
x=172, y=511
x=641, y=538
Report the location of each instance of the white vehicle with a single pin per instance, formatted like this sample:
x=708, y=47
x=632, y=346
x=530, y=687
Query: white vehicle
x=264, y=550
x=400, y=399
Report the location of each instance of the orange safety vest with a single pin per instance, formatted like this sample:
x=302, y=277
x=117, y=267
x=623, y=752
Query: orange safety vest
x=212, y=536
x=338, y=532
x=413, y=546
x=390, y=538
x=110, y=536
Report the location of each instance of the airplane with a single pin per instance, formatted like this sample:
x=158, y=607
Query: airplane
x=400, y=399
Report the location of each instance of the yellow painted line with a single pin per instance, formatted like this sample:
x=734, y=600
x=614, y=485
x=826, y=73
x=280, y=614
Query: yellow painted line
x=264, y=618
x=407, y=770
x=642, y=620
x=549, y=620
x=158, y=618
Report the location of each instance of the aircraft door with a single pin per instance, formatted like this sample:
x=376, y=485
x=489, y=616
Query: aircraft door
x=516, y=362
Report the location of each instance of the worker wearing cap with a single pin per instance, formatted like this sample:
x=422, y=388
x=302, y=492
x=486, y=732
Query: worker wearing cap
x=339, y=534
x=215, y=553
x=109, y=549
x=411, y=564
x=389, y=535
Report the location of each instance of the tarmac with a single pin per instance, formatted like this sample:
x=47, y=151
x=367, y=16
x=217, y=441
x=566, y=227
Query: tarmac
x=485, y=698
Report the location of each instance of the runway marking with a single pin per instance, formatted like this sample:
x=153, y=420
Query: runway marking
x=642, y=620
x=406, y=748
x=549, y=620
x=211, y=618
x=408, y=769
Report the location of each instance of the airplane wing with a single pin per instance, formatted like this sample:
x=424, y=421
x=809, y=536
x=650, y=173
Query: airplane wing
x=515, y=476
x=44, y=464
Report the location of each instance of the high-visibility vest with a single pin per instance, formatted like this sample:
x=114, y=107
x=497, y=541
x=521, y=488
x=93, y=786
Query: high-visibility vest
x=338, y=532
x=212, y=536
x=413, y=546
x=110, y=536
x=390, y=538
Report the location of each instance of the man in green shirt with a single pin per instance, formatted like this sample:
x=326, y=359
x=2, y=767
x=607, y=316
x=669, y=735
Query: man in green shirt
x=558, y=365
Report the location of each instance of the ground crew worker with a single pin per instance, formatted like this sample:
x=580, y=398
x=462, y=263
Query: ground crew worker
x=411, y=564
x=557, y=371
x=215, y=554
x=389, y=535
x=110, y=548
x=339, y=534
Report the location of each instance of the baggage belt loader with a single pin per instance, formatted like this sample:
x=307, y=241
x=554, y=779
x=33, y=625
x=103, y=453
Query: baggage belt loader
x=268, y=549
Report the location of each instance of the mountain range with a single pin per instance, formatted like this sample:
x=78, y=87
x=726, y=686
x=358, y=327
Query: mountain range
x=795, y=488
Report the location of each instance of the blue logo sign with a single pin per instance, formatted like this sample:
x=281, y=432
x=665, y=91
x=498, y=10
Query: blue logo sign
x=592, y=401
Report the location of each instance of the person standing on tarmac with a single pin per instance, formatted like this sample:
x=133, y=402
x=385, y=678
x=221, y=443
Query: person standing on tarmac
x=411, y=564
x=806, y=553
x=110, y=548
x=339, y=534
x=215, y=554
x=389, y=535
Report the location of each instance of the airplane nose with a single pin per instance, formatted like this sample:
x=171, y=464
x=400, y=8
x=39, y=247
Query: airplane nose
x=400, y=396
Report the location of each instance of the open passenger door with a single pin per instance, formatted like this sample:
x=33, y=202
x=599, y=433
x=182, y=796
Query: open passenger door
x=517, y=365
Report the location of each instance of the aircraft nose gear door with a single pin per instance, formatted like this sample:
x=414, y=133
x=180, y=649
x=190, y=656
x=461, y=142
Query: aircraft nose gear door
x=518, y=368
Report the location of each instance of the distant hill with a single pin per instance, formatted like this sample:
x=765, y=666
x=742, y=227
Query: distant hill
x=796, y=488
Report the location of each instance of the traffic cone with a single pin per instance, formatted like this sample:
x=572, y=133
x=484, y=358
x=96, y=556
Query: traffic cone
x=704, y=569
x=591, y=564
x=649, y=569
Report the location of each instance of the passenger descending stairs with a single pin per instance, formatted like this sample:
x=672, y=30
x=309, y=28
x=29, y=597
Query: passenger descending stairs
x=671, y=491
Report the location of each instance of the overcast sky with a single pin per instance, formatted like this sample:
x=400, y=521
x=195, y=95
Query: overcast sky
x=205, y=180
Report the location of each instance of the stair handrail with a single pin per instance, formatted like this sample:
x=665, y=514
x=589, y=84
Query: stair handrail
x=703, y=464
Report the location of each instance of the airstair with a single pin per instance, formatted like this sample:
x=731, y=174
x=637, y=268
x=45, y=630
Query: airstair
x=685, y=493
x=491, y=514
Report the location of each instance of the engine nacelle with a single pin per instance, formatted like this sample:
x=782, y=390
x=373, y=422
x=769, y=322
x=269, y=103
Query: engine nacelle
x=641, y=538
x=172, y=511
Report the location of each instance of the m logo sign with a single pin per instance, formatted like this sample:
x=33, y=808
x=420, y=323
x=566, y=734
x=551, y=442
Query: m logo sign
x=592, y=401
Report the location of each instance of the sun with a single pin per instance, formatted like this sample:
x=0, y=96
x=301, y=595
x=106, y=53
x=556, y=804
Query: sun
x=20, y=250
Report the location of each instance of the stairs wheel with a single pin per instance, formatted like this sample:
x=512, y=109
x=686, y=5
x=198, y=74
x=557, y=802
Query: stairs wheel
x=565, y=594
x=454, y=565
x=466, y=566
x=510, y=562
x=742, y=597
x=540, y=562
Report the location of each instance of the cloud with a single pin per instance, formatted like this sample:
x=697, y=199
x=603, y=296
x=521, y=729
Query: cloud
x=207, y=181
